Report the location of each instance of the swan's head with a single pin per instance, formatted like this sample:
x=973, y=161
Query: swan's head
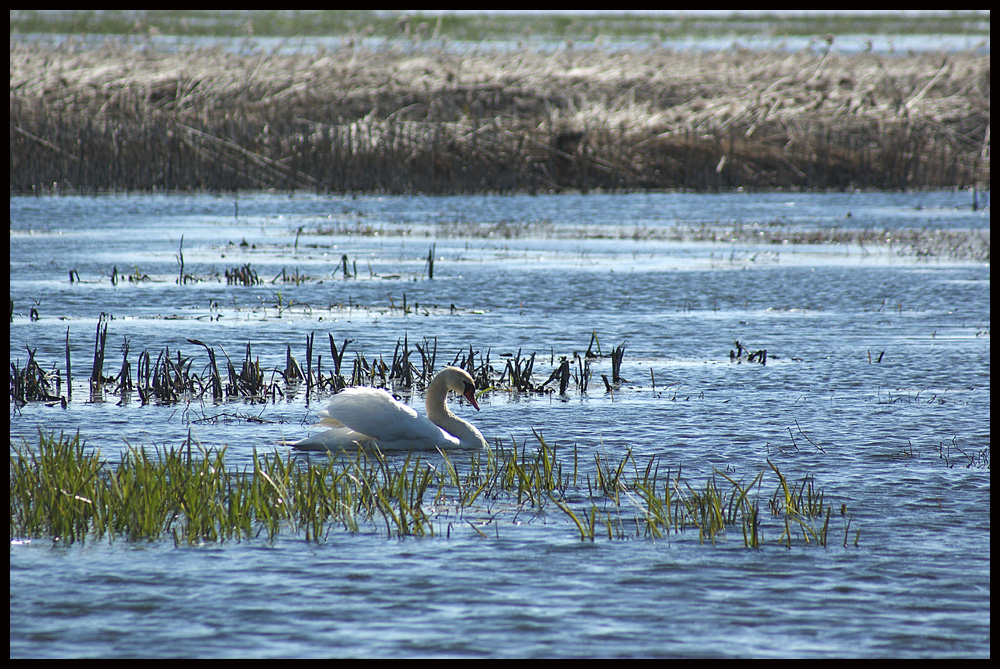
x=459, y=381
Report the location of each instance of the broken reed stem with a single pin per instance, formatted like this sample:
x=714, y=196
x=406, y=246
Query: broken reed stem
x=180, y=261
x=309, y=355
x=69, y=371
x=97, y=372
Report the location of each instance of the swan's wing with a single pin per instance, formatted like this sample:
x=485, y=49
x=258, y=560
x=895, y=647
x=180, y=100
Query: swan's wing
x=373, y=414
x=336, y=439
x=364, y=409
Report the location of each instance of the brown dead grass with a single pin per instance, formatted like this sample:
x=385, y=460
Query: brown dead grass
x=122, y=117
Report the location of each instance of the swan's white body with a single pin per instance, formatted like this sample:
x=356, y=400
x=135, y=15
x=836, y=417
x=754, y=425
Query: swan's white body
x=367, y=417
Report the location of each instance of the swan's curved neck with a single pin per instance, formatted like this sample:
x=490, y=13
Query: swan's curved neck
x=439, y=414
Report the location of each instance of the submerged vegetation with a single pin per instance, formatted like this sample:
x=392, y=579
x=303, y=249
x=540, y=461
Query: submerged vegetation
x=971, y=244
x=67, y=492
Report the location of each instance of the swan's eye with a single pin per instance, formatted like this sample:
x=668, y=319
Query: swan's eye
x=469, y=388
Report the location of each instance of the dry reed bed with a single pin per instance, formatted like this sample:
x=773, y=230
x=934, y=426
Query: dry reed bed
x=134, y=118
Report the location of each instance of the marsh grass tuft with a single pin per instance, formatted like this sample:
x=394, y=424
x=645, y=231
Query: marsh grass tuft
x=62, y=490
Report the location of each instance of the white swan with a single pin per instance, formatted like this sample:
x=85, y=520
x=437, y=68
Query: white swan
x=371, y=417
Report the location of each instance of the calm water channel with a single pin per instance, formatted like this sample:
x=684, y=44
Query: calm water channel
x=877, y=385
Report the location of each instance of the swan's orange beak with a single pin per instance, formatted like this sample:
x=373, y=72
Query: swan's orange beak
x=470, y=394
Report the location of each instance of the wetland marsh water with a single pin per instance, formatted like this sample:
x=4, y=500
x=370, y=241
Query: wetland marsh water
x=904, y=443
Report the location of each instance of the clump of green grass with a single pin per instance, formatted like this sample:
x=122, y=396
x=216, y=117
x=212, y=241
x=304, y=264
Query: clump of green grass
x=62, y=490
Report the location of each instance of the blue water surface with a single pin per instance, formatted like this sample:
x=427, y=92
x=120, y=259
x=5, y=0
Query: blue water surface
x=877, y=386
